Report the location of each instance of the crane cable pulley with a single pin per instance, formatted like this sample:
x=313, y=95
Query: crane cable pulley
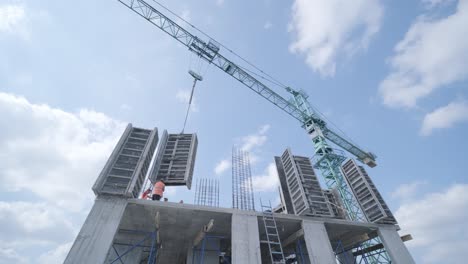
x=196, y=77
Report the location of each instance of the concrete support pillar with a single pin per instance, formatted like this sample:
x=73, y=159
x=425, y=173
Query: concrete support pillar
x=97, y=234
x=189, y=259
x=245, y=239
x=394, y=246
x=317, y=243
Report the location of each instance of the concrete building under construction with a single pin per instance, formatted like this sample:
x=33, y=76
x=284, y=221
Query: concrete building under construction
x=347, y=222
x=121, y=228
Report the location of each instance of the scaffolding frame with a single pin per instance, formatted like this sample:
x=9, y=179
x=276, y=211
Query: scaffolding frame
x=299, y=252
x=153, y=249
x=198, y=255
x=242, y=188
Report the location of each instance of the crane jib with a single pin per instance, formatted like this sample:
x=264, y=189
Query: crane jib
x=210, y=52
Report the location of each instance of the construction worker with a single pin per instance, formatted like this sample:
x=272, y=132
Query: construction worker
x=158, y=190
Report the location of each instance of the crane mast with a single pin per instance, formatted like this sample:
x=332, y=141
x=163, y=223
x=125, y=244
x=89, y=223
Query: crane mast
x=327, y=159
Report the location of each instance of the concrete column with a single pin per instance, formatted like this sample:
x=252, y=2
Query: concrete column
x=394, y=246
x=245, y=239
x=189, y=255
x=317, y=243
x=97, y=234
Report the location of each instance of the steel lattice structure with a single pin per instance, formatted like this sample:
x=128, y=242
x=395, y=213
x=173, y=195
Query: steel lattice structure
x=242, y=189
x=328, y=161
x=207, y=192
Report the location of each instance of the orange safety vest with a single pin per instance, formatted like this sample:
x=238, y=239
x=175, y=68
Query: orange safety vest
x=159, y=188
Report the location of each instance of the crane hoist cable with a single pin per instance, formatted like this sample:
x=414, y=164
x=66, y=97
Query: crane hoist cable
x=196, y=77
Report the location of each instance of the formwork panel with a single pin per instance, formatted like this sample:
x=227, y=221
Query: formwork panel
x=284, y=186
x=175, y=159
x=336, y=204
x=367, y=195
x=128, y=164
x=301, y=187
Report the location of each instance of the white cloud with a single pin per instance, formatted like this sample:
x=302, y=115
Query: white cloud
x=407, y=191
x=37, y=226
x=433, y=54
x=35, y=220
x=268, y=181
x=437, y=223
x=267, y=25
x=445, y=117
x=326, y=30
x=18, y=19
x=433, y=3
x=222, y=166
x=11, y=18
x=43, y=145
x=51, y=157
x=250, y=144
x=184, y=97
x=255, y=140
x=125, y=107
x=9, y=255
x=56, y=255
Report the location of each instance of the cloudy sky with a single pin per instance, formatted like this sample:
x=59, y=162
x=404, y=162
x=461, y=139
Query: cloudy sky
x=391, y=74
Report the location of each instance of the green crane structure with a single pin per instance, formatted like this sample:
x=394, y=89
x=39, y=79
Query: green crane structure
x=327, y=159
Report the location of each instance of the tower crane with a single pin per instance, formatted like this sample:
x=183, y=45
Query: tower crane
x=299, y=107
x=328, y=159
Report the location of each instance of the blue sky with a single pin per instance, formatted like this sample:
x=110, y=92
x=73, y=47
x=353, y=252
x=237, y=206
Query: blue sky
x=391, y=74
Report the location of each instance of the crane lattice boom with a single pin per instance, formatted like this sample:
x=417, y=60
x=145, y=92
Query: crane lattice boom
x=209, y=51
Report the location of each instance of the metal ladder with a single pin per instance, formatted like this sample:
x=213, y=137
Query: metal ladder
x=272, y=236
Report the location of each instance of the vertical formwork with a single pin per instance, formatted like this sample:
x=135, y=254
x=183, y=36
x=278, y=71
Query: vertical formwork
x=175, y=159
x=307, y=197
x=286, y=196
x=336, y=204
x=125, y=171
x=374, y=207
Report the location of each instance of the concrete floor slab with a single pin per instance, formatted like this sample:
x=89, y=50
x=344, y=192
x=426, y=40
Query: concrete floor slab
x=180, y=223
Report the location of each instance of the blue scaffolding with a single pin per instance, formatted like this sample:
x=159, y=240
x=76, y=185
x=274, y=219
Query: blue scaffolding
x=352, y=255
x=153, y=249
x=299, y=252
x=340, y=250
x=198, y=255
